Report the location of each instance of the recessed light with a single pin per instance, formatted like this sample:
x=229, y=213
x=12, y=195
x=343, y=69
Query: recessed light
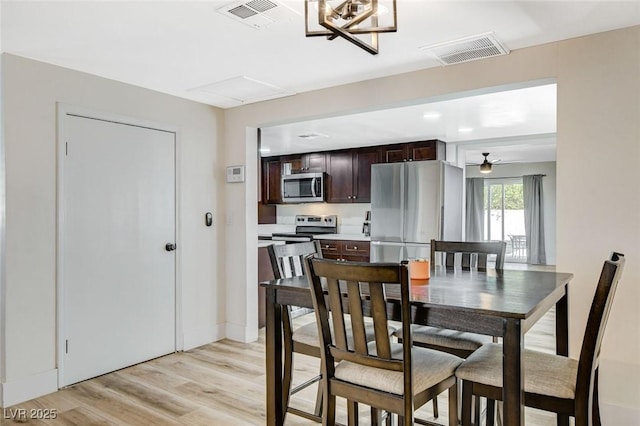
x=265, y=149
x=432, y=115
x=465, y=129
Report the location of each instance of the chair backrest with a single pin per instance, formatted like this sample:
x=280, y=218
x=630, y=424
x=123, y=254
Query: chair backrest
x=472, y=255
x=365, y=284
x=594, y=332
x=287, y=260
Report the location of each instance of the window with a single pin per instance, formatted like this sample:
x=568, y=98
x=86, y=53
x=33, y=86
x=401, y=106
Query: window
x=504, y=216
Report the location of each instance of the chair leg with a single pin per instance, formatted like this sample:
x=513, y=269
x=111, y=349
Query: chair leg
x=563, y=420
x=318, y=409
x=352, y=413
x=466, y=402
x=491, y=412
x=435, y=407
x=596, y=402
x=329, y=416
x=476, y=410
x=376, y=416
x=287, y=367
x=453, y=405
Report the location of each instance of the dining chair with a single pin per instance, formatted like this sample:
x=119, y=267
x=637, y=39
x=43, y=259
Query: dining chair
x=553, y=383
x=458, y=255
x=388, y=376
x=287, y=260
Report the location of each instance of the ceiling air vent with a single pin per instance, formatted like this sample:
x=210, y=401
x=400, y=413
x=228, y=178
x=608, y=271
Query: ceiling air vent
x=467, y=49
x=256, y=13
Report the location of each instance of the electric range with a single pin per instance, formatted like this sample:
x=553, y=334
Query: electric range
x=307, y=226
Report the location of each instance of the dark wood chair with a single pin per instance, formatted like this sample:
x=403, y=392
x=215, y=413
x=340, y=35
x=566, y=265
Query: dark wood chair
x=287, y=261
x=388, y=376
x=467, y=255
x=553, y=383
x=458, y=255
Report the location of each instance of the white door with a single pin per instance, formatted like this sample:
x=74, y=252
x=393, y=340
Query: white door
x=118, y=213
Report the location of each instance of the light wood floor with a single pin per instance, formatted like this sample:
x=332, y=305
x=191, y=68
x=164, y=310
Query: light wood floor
x=221, y=383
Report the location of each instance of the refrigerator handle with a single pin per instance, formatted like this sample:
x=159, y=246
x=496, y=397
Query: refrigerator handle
x=403, y=199
x=441, y=230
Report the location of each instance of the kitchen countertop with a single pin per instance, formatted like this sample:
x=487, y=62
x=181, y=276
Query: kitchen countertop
x=347, y=237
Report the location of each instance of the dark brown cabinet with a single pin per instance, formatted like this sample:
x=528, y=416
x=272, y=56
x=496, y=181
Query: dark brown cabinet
x=313, y=162
x=348, y=170
x=349, y=175
x=345, y=250
x=413, y=151
x=271, y=180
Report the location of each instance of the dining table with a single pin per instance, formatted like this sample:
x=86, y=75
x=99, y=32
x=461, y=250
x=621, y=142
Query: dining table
x=500, y=303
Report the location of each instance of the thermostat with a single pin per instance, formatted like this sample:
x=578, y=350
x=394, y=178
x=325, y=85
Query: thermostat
x=235, y=174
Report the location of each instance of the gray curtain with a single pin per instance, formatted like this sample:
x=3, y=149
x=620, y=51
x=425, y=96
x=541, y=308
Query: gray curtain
x=534, y=219
x=475, y=210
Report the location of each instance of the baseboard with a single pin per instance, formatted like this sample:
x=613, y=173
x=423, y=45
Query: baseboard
x=241, y=333
x=203, y=336
x=26, y=388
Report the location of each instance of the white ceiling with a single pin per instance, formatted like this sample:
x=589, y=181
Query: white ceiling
x=176, y=47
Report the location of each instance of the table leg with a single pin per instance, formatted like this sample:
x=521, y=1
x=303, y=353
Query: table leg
x=562, y=325
x=512, y=373
x=275, y=414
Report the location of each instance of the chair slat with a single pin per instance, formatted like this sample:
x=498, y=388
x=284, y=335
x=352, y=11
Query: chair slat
x=335, y=306
x=450, y=260
x=482, y=261
x=379, y=314
x=357, y=319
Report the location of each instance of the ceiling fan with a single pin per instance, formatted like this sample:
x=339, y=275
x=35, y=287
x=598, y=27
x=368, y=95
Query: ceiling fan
x=487, y=166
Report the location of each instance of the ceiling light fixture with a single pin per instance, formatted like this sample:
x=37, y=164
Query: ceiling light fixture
x=350, y=19
x=432, y=115
x=486, y=166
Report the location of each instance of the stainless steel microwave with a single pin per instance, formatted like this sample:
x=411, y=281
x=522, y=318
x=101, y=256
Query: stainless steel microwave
x=303, y=187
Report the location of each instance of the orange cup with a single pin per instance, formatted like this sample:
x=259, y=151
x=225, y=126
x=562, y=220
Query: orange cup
x=419, y=269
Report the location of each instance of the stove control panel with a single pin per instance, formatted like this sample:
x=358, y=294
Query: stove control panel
x=320, y=220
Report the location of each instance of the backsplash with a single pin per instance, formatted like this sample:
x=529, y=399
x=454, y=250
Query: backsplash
x=350, y=216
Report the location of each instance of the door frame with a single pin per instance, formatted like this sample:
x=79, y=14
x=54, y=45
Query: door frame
x=62, y=110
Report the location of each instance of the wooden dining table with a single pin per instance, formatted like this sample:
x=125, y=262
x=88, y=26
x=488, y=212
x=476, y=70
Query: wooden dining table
x=496, y=303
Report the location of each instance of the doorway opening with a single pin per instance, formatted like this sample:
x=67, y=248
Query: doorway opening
x=504, y=216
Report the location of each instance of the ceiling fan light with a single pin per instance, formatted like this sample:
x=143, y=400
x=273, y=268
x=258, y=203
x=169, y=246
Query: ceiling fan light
x=485, y=167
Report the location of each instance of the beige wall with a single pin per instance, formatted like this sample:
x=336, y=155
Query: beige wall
x=598, y=200
x=31, y=91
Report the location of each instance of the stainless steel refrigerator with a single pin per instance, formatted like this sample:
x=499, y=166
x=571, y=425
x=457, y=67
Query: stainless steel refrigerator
x=412, y=203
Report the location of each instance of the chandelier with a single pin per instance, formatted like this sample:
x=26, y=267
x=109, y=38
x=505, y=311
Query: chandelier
x=353, y=20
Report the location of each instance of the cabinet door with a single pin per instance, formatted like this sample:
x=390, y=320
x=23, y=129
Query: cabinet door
x=425, y=150
x=296, y=162
x=272, y=181
x=315, y=162
x=362, y=160
x=394, y=153
x=355, y=251
x=340, y=170
x=330, y=249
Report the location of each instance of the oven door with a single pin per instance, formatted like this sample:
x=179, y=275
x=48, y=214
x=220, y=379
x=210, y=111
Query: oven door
x=303, y=188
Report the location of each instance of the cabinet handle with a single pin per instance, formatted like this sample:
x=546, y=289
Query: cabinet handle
x=355, y=196
x=355, y=247
x=349, y=197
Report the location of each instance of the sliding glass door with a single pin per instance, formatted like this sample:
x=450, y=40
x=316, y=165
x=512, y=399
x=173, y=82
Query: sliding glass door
x=504, y=216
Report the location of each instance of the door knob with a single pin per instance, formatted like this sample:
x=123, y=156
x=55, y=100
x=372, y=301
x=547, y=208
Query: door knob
x=170, y=247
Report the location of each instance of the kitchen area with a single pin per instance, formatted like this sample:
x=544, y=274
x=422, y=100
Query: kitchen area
x=379, y=203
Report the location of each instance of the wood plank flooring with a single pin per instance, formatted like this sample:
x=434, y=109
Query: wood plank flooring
x=221, y=383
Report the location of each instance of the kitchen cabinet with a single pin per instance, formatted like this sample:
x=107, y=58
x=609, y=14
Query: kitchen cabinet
x=312, y=162
x=345, y=250
x=271, y=180
x=413, y=151
x=349, y=175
